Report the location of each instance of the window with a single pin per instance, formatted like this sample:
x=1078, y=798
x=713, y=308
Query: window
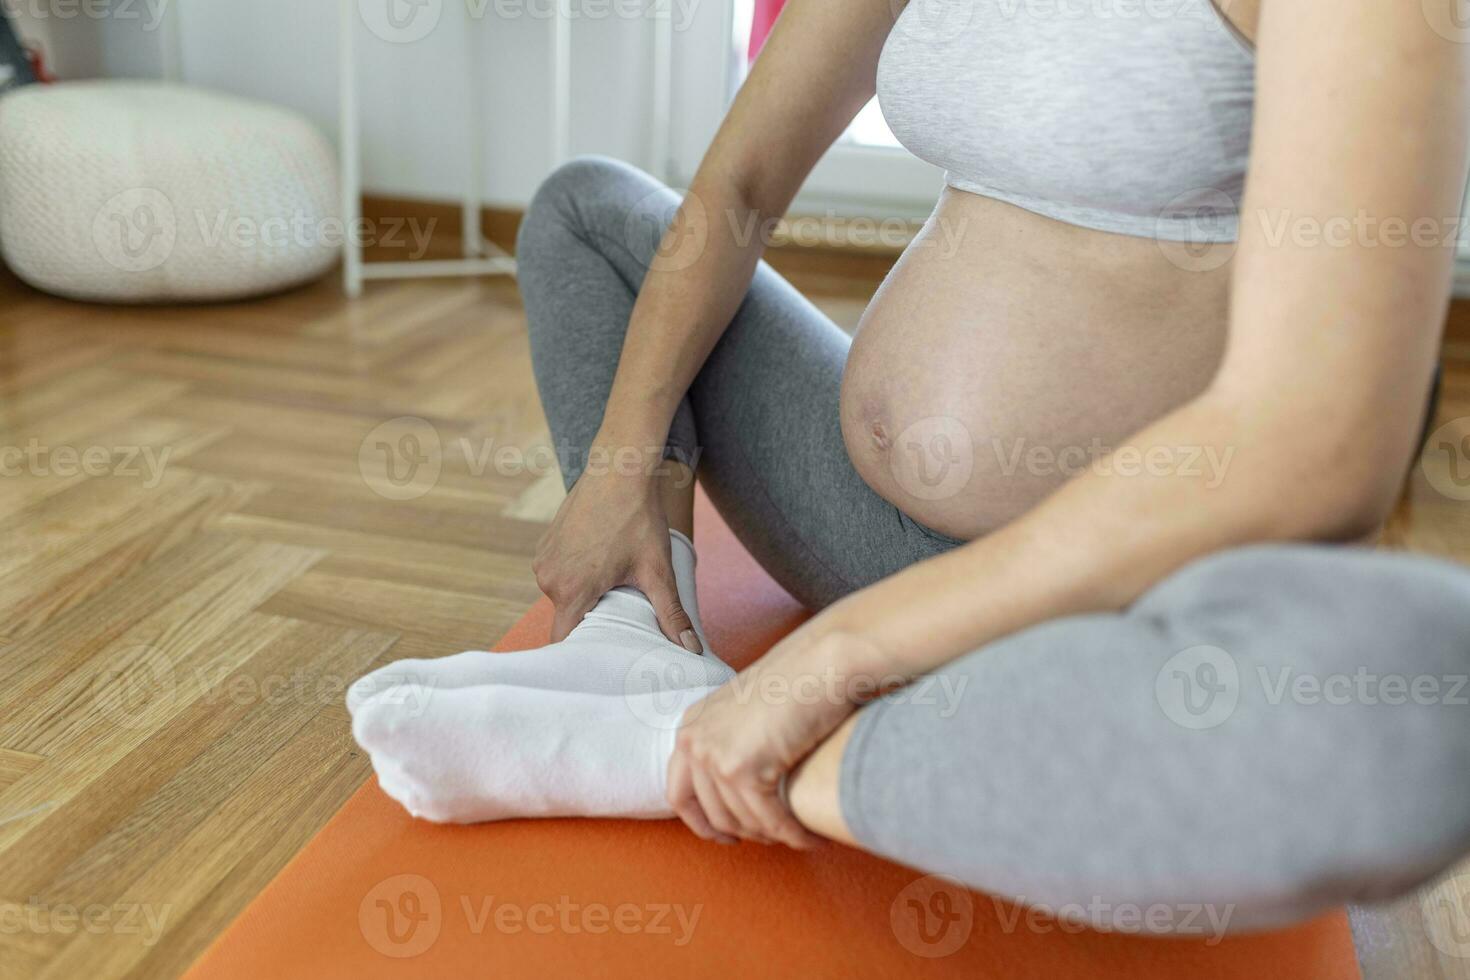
x=866, y=173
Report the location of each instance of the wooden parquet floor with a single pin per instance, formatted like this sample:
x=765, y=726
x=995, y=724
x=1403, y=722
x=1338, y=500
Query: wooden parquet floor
x=210, y=523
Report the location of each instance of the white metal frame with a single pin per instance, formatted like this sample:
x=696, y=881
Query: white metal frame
x=475, y=262
x=851, y=179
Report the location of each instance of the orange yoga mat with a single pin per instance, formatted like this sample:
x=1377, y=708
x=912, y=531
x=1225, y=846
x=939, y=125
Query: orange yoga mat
x=378, y=894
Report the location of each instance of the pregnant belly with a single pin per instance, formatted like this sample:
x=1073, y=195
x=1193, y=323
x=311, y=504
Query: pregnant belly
x=1007, y=353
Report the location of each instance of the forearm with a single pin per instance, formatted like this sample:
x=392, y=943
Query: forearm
x=694, y=284
x=1108, y=535
x=818, y=68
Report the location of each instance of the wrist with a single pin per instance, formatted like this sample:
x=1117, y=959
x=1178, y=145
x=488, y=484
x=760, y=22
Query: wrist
x=640, y=421
x=849, y=658
x=631, y=456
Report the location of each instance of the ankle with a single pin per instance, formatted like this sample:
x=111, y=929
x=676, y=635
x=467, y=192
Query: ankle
x=675, y=487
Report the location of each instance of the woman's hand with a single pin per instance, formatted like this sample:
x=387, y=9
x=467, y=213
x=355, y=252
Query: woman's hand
x=611, y=530
x=737, y=745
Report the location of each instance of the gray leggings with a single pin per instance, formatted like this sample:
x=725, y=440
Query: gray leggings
x=1266, y=733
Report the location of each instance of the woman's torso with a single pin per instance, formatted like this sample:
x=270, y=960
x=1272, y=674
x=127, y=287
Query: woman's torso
x=1071, y=285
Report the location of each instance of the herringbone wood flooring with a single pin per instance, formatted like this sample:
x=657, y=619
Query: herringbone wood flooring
x=202, y=542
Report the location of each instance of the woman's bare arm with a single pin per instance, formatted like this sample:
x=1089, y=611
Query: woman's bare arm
x=1340, y=286
x=1361, y=107
x=816, y=71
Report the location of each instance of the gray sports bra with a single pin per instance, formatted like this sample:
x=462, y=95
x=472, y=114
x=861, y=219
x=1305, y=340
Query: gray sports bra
x=1129, y=116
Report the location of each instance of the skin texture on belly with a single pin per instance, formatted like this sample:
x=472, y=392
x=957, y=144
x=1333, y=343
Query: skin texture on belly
x=1006, y=352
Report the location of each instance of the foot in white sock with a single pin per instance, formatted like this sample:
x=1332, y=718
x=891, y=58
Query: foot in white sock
x=618, y=648
x=496, y=752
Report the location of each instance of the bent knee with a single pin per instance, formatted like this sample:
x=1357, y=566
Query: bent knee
x=1320, y=607
x=581, y=195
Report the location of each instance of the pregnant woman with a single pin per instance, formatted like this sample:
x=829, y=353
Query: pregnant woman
x=1083, y=507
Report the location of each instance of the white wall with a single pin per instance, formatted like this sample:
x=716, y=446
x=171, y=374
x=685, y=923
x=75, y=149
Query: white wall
x=413, y=96
x=96, y=38
x=412, y=93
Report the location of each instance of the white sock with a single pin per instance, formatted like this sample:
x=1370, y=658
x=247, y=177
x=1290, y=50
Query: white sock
x=618, y=648
x=495, y=752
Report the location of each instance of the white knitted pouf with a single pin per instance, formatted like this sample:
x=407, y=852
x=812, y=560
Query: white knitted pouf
x=124, y=191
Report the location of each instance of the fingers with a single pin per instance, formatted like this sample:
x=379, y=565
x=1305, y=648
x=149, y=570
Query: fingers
x=685, y=804
x=714, y=806
x=568, y=615
x=569, y=600
x=717, y=809
x=748, y=825
x=776, y=820
x=663, y=593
